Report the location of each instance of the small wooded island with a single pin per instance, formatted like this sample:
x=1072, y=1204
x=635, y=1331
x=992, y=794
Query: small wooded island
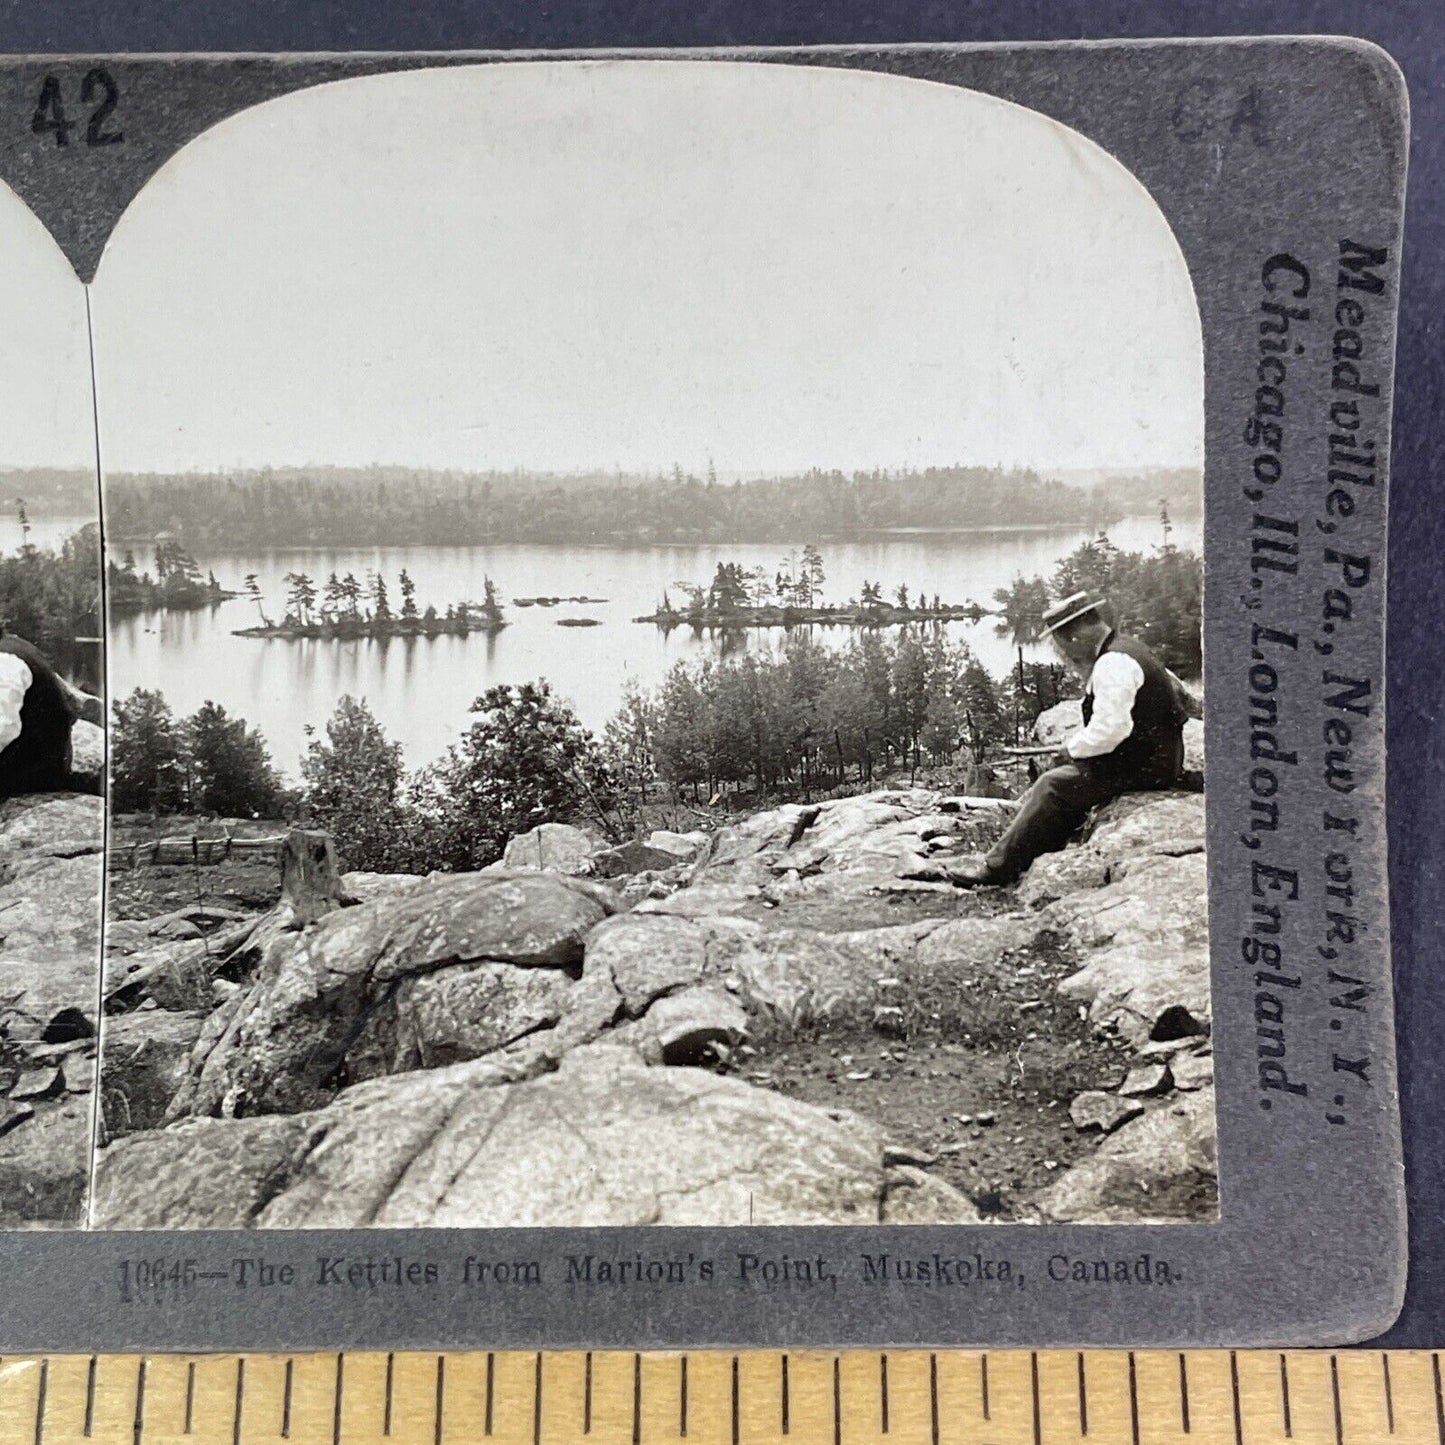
x=177, y=585
x=740, y=597
x=338, y=610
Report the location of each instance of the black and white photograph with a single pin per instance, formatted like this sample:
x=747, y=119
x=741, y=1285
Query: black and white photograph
x=654, y=658
x=653, y=665
x=52, y=823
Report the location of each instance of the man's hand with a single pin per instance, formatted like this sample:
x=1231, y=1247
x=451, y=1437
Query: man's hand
x=90, y=709
x=83, y=706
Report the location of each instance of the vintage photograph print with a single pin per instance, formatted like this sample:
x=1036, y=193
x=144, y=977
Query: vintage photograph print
x=52, y=823
x=656, y=663
x=786, y=645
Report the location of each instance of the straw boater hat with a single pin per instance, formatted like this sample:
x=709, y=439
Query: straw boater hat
x=1069, y=610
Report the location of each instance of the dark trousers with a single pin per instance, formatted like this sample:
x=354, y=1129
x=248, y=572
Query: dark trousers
x=27, y=768
x=1054, y=809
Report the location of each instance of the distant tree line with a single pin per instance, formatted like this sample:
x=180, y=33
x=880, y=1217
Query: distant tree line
x=52, y=491
x=376, y=506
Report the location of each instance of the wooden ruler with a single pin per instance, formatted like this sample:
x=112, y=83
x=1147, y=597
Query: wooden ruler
x=904, y=1397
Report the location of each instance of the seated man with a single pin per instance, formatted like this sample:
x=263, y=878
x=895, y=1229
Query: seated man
x=1132, y=741
x=37, y=709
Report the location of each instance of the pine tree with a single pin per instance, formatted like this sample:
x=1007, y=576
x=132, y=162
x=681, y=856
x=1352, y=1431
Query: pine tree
x=408, y=596
x=380, y=603
x=351, y=596
x=300, y=596
x=353, y=784
x=813, y=572
x=146, y=769
x=230, y=768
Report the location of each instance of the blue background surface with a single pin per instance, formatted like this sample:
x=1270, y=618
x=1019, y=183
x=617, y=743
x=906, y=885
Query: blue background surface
x=1413, y=31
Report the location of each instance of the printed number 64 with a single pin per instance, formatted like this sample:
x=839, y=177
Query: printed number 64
x=98, y=89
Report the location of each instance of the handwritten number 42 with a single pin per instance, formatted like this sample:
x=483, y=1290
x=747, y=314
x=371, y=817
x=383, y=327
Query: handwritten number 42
x=98, y=89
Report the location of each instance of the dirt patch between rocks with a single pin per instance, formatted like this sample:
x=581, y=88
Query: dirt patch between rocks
x=975, y=1074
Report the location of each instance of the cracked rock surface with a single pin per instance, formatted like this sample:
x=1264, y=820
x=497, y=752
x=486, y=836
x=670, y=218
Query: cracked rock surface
x=552, y=1045
x=50, y=879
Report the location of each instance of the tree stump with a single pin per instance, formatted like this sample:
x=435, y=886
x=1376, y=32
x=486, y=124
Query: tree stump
x=310, y=876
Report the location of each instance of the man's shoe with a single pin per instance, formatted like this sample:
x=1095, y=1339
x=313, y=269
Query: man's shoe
x=974, y=872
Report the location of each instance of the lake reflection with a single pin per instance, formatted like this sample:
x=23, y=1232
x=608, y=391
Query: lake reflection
x=420, y=688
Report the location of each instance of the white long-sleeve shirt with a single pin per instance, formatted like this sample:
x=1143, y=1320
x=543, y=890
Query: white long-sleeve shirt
x=1114, y=682
x=15, y=680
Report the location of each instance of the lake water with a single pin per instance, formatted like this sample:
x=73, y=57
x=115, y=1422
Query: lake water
x=420, y=688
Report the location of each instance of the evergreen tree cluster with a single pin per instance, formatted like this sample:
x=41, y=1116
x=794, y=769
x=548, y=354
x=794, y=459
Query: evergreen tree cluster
x=208, y=762
x=378, y=506
x=344, y=606
x=52, y=598
x=1156, y=597
x=176, y=586
x=813, y=716
x=524, y=760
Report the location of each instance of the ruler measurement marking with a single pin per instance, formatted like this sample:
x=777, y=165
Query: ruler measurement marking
x=735, y=1400
x=441, y=1399
x=1335, y=1396
x=1234, y=1394
x=933, y=1394
x=1439, y=1401
x=75, y=1403
x=491, y=1377
x=40, y=1406
x=139, y=1423
x=637, y=1400
x=336, y=1404
x=240, y=1397
x=983, y=1386
x=1034, y=1391
x=1133, y=1401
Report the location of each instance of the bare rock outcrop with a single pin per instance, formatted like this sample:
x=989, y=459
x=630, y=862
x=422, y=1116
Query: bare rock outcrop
x=50, y=880
x=519, y=1047
x=552, y=848
x=603, y=1140
x=1159, y=1166
x=336, y=1001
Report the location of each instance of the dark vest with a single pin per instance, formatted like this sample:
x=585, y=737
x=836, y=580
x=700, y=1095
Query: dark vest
x=40, y=756
x=1152, y=756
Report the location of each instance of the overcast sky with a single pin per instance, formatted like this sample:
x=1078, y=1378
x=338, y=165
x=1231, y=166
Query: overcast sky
x=602, y=264
x=45, y=411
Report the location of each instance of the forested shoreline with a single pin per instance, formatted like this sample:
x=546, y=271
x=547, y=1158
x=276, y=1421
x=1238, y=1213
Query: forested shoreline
x=51, y=597
x=340, y=508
